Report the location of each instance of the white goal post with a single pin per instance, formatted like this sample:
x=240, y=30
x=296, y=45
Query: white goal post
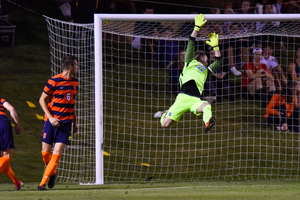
x=125, y=87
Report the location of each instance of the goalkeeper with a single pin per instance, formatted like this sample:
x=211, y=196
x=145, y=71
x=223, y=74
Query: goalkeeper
x=192, y=81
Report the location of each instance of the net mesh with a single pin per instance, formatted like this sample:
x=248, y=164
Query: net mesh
x=141, y=66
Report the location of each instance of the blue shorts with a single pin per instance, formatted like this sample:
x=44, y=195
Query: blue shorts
x=52, y=135
x=6, y=134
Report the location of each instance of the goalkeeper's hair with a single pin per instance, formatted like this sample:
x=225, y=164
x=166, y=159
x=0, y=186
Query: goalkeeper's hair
x=67, y=62
x=199, y=55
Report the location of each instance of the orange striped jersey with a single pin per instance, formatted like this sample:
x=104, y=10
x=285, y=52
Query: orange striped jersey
x=276, y=101
x=2, y=109
x=62, y=93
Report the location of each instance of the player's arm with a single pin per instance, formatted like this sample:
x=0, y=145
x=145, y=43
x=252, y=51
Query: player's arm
x=292, y=71
x=43, y=102
x=259, y=74
x=214, y=43
x=199, y=22
x=14, y=116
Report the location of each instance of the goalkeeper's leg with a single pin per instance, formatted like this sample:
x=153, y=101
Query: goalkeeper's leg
x=164, y=121
x=208, y=119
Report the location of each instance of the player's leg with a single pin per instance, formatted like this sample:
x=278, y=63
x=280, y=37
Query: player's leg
x=8, y=171
x=7, y=147
x=51, y=167
x=181, y=105
x=166, y=122
x=205, y=108
x=47, y=141
x=6, y=142
x=255, y=86
x=5, y=159
x=271, y=88
x=46, y=153
x=61, y=134
x=47, y=145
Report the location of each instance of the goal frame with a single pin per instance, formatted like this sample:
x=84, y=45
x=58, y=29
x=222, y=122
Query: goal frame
x=100, y=18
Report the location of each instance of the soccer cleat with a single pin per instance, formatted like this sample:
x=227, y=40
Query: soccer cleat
x=41, y=187
x=210, y=124
x=19, y=185
x=52, y=179
x=158, y=114
x=235, y=71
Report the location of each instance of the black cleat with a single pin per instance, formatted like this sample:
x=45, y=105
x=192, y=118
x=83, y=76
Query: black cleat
x=41, y=187
x=210, y=124
x=52, y=179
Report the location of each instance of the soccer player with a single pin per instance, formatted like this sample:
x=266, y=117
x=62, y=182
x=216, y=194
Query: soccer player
x=192, y=81
x=7, y=140
x=60, y=91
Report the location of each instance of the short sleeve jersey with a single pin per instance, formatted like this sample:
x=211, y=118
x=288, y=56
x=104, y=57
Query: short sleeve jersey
x=2, y=109
x=62, y=93
x=271, y=62
x=250, y=66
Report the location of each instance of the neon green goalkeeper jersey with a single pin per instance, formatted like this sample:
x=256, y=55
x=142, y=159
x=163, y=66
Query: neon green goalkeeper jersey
x=195, y=70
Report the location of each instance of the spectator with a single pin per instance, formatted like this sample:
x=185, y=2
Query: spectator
x=216, y=27
x=282, y=110
x=259, y=6
x=294, y=67
x=175, y=68
x=215, y=11
x=226, y=27
x=146, y=29
x=246, y=9
x=237, y=49
x=168, y=49
x=256, y=75
x=267, y=9
x=266, y=26
x=273, y=66
x=276, y=6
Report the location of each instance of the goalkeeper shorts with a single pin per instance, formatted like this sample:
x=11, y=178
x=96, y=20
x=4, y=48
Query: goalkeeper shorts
x=182, y=104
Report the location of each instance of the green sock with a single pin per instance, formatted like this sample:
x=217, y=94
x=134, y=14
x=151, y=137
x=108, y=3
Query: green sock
x=207, y=113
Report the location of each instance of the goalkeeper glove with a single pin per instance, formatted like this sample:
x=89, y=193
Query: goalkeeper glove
x=199, y=22
x=213, y=41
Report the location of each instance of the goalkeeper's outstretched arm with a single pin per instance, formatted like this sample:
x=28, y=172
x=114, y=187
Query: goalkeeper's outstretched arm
x=199, y=22
x=214, y=42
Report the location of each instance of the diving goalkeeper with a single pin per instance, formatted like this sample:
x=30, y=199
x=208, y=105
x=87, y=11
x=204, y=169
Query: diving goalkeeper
x=192, y=81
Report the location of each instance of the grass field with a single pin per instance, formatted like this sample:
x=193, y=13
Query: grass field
x=246, y=190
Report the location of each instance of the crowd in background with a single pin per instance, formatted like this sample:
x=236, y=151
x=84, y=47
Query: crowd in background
x=252, y=58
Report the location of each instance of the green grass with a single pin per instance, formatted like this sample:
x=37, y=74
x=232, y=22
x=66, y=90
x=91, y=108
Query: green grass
x=246, y=190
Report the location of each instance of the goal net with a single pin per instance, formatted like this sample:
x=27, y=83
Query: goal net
x=135, y=74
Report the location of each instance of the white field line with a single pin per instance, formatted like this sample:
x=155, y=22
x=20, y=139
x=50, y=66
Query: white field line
x=186, y=187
